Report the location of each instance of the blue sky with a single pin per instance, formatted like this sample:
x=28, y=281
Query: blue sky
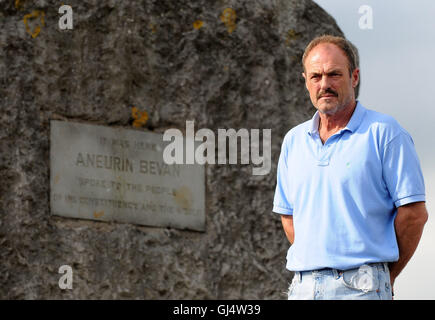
x=397, y=69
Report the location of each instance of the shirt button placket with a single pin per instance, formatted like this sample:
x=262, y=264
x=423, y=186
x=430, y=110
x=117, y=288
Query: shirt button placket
x=323, y=156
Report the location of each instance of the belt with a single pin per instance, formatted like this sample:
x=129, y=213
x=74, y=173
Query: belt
x=338, y=272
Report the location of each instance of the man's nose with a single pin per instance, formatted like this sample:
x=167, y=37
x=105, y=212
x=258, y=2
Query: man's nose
x=325, y=83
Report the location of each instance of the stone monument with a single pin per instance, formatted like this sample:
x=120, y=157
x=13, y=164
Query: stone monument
x=222, y=64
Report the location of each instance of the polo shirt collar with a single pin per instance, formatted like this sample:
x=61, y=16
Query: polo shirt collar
x=352, y=125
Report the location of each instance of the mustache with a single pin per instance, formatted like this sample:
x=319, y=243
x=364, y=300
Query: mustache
x=327, y=91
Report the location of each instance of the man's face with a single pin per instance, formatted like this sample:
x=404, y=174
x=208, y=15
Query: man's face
x=327, y=78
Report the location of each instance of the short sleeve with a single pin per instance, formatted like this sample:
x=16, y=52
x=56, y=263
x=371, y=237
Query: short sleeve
x=281, y=203
x=402, y=172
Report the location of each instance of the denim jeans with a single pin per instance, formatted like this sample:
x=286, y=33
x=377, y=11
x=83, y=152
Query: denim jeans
x=368, y=282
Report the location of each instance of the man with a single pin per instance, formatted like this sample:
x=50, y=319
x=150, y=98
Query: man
x=350, y=190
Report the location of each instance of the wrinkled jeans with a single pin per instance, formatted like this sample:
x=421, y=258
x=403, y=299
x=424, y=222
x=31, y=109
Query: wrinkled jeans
x=368, y=282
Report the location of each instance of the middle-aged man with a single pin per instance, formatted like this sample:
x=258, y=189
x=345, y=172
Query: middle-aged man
x=350, y=190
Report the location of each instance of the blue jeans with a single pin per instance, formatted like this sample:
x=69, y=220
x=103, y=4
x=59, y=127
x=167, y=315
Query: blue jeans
x=368, y=282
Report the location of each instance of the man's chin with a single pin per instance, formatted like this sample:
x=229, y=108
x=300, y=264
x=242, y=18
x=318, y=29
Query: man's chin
x=328, y=108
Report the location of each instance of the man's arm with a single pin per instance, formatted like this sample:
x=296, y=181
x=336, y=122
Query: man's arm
x=409, y=223
x=287, y=223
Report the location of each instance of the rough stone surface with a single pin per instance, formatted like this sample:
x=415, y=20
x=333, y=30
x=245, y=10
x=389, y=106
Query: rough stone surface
x=149, y=54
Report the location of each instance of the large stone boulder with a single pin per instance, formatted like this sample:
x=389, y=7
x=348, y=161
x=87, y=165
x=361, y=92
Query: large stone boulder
x=223, y=64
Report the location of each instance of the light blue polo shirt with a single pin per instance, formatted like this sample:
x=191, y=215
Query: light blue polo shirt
x=343, y=195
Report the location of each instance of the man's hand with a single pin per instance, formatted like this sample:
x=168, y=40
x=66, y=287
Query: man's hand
x=409, y=223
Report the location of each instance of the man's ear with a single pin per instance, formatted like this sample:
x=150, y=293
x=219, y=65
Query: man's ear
x=355, y=77
x=305, y=78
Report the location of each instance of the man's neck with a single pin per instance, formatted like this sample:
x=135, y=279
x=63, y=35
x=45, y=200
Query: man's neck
x=331, y=123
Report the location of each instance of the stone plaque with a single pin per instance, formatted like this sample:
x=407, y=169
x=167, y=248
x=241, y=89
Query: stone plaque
x=115, y=174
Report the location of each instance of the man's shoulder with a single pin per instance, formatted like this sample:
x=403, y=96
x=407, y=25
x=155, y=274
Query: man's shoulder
x=380, y=118
x=298, y=130
x=383, y=125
